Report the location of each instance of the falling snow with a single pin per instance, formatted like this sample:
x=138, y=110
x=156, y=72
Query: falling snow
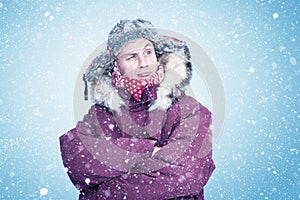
x=275, y=15
x=87, y=181
x=293, y=60
x=254, y=45
x=43, y=191
x=111, y=126
x=251, y=69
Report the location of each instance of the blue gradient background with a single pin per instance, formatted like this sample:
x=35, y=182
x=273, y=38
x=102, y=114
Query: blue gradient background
x=44, y=43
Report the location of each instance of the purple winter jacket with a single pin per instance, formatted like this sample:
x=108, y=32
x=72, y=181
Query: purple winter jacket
x=153, y=149
x=183, y=134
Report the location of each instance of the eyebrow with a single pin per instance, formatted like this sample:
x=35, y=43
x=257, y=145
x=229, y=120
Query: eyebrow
x=145, y=47
x=132, y=52
x=148, y=45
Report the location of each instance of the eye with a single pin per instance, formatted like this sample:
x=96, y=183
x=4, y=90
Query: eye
x=130, y=57
x=148, y=52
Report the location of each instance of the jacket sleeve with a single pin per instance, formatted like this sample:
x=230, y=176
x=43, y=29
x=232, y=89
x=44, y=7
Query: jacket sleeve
x=92, y=156
x=101, y=124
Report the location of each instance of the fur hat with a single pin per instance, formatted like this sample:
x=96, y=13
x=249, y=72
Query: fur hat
x=99, y=73
x=126, y=31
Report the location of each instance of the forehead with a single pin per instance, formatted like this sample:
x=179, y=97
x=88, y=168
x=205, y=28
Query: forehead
x=135, y=45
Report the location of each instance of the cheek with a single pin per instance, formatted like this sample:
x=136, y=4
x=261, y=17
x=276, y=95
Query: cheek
x=126, y=67
x=152, y=59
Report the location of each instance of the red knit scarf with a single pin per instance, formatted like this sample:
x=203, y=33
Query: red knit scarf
x=137, y=86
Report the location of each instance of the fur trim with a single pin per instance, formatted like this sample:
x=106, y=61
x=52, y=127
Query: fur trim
x=175, y=73
x=177, y=76
x=104, y=93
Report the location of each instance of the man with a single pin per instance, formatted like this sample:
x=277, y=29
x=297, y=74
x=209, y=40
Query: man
x=143, y=138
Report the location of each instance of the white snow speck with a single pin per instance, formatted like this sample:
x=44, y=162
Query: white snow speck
x=46, y=14
x=70, y=136
x=43, y=191
x=87, y=181
x=274, y=65
x=80, y=148
x=107, y=193
x=51, y=18
x=181, y=179
x=251, y=121
x=293, y=61
x=12, y=174
x=111, y=126
x=87, y=165
x=275, y=15
x=66, y=169
x=293, y=150
x=281, y=48
x=251, y=69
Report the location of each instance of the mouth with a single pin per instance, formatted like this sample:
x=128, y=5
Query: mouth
x=144, y=74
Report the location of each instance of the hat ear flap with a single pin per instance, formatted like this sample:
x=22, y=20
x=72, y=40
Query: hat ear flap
x=99, y=71
x=101, y=65
x=116, y=67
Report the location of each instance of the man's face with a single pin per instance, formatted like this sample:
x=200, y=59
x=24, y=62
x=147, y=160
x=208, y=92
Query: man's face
x=137, y=59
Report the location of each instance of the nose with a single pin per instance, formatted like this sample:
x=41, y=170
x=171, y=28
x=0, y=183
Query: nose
x=142, y=61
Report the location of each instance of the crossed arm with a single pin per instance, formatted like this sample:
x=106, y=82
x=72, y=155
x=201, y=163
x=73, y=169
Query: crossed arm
x=177, y=168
